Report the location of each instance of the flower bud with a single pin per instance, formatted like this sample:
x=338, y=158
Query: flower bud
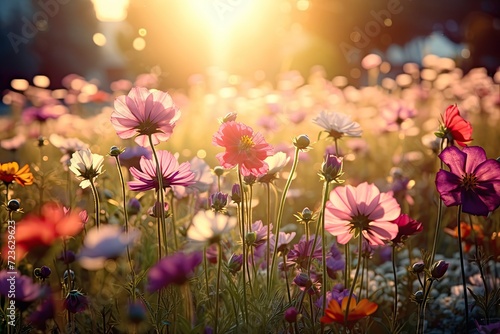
x=218, y=170
x=115, y=151
x=229, y=117
x=251, y=237
x=155, y=210
x=76, y=302
x=133, y=206
x=13, y=205
x=418, y=267
x=292, y=315
x=250, y=179
x=331, y=169
x=418, y=296
x=307, y=214
x=136, y=312
x=438, y=269
x=218, y=201
x=234, y=264
x=236, y=193
x=303, y=280
x=301, y=142
x=67, y=257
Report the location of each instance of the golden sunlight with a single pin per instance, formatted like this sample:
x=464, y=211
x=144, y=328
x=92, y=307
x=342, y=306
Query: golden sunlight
x=111, y=10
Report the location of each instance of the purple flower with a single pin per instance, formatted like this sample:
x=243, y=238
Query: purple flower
x=338, y=293
x=173, y=269
x=331, y=169
x=439, y=268
x=236, y=193
x=76, y=302
x=235, y=263
x=302, y=250
x=291, y=314
x=260, y=231
x=334, y=262
x=26, y=291
x=173, y=173
x=473, y=180
x=50, y=110
x=46, y=310
x=218, y=201
x=136, y=312
x=132, y=155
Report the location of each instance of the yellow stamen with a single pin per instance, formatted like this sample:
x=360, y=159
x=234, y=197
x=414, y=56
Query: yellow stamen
x=245, y=143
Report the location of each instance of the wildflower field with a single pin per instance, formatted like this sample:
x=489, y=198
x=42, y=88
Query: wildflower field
x=243, y=205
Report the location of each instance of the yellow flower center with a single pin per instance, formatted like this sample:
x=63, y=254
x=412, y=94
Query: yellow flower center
x=245, y=143
x=469, y=181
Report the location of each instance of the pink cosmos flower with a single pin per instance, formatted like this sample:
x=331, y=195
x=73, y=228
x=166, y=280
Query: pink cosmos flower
x=362, y=209
x=173, y=173
x=244, y=147
x=145, y=113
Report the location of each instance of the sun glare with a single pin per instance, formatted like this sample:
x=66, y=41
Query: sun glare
x=111, y=10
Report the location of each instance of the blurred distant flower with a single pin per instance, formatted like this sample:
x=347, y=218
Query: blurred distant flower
x=87, y=166
x=133, y=206
x=75, y=302
x=67, y=257
x=136, y=312
x=470, y=239
x=42, y=230
x=67, y=146
x=143, y=113
x=107, y=242
x=25, y=290
x=455, y=127
x=473, y=180
x=42, y=273
x=400, y=186
x=10, y=172
x=14, y=143
x=406, y=227
x=338, y=125
x=336, y=313
x=176, y=269
x=131, y=156
x=397, y=113
x=147, y=80
x=243, y=147
x=236, y=193
x=46, y=310
x=121, y=85
x=204, y=179
x=276, y=164
x=291, y=315
x=173, y=173
x=492, y=328
x=334, y=262
x=352, y=211
x=155, y=210
x=284, y=239
x=50, y=110
x=208, y=227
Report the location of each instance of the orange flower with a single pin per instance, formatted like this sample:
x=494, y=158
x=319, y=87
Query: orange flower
x=467, y=235
x=10, y=172
x=334, y=313
x=38, y=232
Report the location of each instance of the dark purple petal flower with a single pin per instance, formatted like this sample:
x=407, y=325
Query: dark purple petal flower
x=439, y=268
x=473, y=180
x=173, y=269
x=76, y=302
x=26, y=290
x=46, y=310
x=291, y=314
x=407, y=227
x=301, y=251
x=173, y=173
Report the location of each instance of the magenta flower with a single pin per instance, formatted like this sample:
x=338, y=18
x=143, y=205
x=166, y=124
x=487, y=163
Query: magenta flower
x=473, y=180
x=244, y=147
x=406, y=227
x=143, y=113
x=173, y=269
x=173, y=173
x=361, y=210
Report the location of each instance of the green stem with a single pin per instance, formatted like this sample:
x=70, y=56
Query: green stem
x=323, y=241
x=347, y=267
x=481, y=273
x=268, y=244
x=285, y=269
x=96, y=202
x=282, y=207
x=439, y=214
x=159, y=175
x=395, y=309
x=245, y=257
x=351, y=290
x=462, y=267
x=125, y=213
x=172, y=217
x=217, y=286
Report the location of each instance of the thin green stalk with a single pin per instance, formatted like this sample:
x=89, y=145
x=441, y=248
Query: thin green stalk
x=268, y=244
x=172, y=217
x=481, y=273
x=323, y=241
x=159, y=175
x=217, y=286
x=347, y=267
x=125, y=214
x=245, y=257
x=282, y=207
x=285, y=269
x=462, y=267
x=96, y=202
x=395, y=309
x=421, y=322
x=351, y=290
x=439, y=215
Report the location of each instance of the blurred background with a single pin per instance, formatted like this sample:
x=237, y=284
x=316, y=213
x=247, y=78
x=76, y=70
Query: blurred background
x=107, y=40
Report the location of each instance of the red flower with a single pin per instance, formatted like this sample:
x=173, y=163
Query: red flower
x=455, y=127
x=42, y=230
x=243, y=147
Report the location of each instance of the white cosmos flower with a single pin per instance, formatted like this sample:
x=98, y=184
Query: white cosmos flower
x=208, y=227
x=276, y=164
x=338, y=125
x=86, y=166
